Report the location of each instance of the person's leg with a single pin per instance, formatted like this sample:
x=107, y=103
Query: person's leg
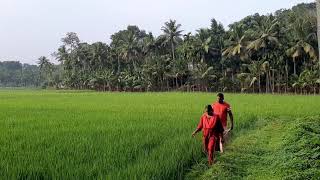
x=221, y=143
x=226, y=136
x=205, y=142
x=211, y=149
x=222, y=139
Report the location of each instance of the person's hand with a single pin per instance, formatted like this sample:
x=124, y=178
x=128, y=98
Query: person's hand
x=193, y=134
x=226, y=131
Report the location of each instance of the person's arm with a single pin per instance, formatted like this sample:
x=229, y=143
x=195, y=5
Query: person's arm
x=199, y=127
x=195, y=132
x=231, y=118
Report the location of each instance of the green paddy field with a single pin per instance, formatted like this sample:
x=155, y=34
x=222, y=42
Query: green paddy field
x=91, y=135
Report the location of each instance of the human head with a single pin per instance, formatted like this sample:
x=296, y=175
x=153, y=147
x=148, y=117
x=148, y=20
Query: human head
x=209, y=110
x=220, y=97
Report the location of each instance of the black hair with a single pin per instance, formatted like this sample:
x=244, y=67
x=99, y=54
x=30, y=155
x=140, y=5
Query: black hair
x=220, y=95
x=209, y=110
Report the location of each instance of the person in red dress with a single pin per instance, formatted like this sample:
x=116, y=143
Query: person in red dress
x=223, y=109
x=211, y=127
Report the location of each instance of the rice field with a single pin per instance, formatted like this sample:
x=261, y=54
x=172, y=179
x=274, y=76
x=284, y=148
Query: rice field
x=91, y=135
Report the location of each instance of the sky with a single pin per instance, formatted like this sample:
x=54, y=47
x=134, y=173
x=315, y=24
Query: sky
x=33, y=28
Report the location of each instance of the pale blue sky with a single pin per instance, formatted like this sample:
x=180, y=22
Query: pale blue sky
x=32, y=28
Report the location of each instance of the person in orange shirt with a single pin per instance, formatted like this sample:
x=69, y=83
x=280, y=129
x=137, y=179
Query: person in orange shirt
x=222, y=109
x=211, y=127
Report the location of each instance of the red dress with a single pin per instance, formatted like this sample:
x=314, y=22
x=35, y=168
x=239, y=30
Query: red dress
x=210, y=132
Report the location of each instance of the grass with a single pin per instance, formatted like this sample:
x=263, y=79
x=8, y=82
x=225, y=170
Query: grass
x=89, y=135
x=275, y=149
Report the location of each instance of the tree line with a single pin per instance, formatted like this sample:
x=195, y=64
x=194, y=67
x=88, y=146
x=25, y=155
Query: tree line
x=274, y=53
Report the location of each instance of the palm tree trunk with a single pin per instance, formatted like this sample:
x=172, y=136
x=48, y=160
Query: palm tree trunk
x=267, y=82
x=232, y=78
x=177, y=84
x=273, y=78
x=119, y=65
x=109, y=87
x=287, y=76
x=279, y=81
x=318, y=30
x=253, y=87
x=161, y=84
x=259, y=83
x=133, y=64
x=172, y=49
x=294, y=67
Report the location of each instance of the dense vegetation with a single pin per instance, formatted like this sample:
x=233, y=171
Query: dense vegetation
x=89, y=135
x=260, y=53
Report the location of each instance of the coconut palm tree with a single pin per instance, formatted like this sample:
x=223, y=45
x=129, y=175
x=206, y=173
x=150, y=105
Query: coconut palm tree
x=302, y=47
x=203, y=43
x=172, y=34
x=236, y=44
x=266, y=70
x=99, y=56
x=265, y=35
x=203, y=74
x=265, y=39
x=46, y=69
x=255, y=69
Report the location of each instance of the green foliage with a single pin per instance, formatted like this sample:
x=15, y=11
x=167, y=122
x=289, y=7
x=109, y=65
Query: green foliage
x=90, y=135
x=302, y=149
x=141, y=61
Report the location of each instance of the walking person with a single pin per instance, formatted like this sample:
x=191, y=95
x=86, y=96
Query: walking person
x=211, y=127
x=223, y=109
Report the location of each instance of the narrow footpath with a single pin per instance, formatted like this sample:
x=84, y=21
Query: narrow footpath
x=273, y=149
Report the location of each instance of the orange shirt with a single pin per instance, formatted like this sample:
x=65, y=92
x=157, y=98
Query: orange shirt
x=222, y=110
x=207, y=123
